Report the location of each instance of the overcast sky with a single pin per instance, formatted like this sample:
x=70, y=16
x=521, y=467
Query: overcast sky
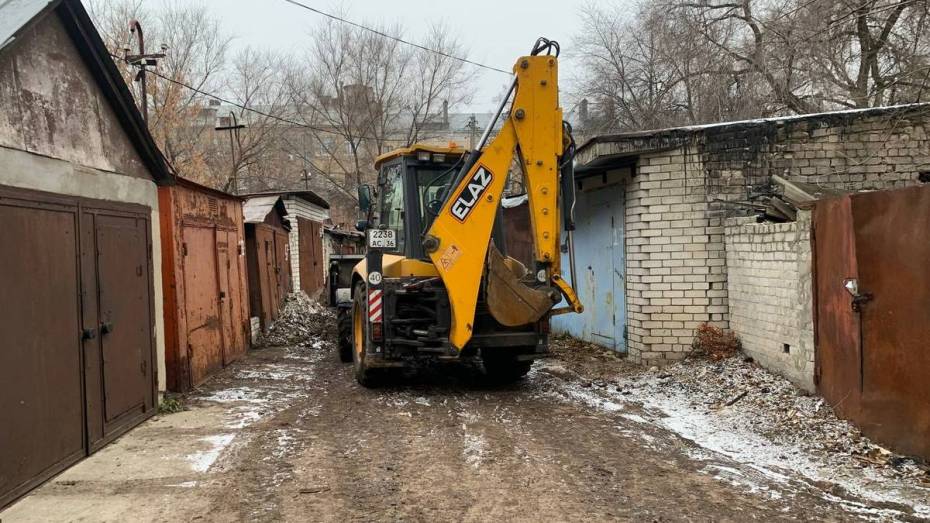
x=495, y=32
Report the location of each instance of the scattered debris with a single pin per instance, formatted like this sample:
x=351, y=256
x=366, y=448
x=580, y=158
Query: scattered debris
x=736, y=398
x=301, y=321
x=313, y=490
x=715, y=342
x=765, y=404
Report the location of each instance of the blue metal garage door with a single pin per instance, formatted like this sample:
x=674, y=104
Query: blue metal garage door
x=600, y=266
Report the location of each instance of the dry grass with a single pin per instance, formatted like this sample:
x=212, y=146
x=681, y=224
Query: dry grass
x=715, y=343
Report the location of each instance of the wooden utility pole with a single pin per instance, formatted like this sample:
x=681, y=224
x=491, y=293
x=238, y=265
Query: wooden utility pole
x=233, y=140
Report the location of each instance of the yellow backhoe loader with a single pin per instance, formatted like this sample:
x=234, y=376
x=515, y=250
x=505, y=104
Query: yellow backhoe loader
x=435, y=283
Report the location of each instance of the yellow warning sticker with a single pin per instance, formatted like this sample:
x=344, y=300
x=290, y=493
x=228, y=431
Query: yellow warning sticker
x=450, y=256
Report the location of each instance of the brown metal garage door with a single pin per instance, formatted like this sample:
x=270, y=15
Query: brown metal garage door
x=231, y=278
x=76, y=338
x=310, y=255
x=41, y=404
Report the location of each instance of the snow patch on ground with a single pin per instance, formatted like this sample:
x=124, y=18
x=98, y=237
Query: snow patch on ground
x=724, y=432
x=238, y=394
x=276, y=373
x=728, y=432
x=474, y=448
x=244, y=417
x=185, y=484
x=203, y=460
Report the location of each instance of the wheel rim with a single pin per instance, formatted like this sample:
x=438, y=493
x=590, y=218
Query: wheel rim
x=357, y=332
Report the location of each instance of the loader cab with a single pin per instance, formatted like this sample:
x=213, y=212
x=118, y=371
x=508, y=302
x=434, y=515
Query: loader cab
x=411, y=184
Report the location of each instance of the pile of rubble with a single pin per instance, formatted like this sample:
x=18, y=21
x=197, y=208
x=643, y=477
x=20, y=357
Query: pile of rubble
x=301, y=321
x=772, y=406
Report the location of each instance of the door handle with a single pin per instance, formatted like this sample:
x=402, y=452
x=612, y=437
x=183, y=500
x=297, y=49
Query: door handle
x=106, y=327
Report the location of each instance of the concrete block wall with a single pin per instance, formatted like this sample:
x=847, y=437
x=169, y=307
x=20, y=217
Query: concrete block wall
x=675, y=274
x=769, y=289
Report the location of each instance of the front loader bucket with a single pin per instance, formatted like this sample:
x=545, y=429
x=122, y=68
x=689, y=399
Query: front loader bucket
x=511, y=302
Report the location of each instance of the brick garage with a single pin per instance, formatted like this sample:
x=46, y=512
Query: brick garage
x=677, y=188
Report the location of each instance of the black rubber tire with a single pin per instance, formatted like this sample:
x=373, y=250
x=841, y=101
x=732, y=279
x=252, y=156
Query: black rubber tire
x=504, y=367
x=344, y=325
x=363, y=374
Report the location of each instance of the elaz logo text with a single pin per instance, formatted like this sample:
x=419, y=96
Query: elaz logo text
x=479, y=183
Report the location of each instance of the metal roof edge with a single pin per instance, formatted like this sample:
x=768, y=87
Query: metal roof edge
x=778, y=120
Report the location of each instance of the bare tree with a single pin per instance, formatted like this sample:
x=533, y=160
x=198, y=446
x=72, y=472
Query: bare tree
x=692, y=61
x=441, y=83
x=363, y=94
x=195, y=49
x=255, y=83
x=820, y=54
x=655, y=70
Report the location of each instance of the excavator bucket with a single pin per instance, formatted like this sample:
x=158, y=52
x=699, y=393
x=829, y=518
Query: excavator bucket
x=511, y=302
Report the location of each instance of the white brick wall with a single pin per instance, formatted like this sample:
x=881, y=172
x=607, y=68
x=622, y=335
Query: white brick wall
x=297, y=207
x=677, y=257
x=675, y=274
x=770, y=298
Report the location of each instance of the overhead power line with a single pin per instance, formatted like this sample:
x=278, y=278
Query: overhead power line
x=395, y=38
x=250, y=109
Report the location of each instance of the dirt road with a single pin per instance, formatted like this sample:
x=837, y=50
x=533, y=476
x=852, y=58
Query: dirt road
x=288, y=435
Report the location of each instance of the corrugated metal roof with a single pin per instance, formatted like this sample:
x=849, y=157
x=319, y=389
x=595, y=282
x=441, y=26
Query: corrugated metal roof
x=256, y=209
x=305, y=194
x=15, y=15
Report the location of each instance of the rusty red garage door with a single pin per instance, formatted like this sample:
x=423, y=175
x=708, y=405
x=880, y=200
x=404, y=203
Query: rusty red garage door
x=76, y=338
x=201, y=305
x=873, y=313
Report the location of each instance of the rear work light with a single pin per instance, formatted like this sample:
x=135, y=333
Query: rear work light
x=377, y=331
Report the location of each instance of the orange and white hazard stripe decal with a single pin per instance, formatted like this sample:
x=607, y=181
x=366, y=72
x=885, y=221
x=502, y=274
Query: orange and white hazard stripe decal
x=375, y=305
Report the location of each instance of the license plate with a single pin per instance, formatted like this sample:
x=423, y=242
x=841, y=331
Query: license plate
x=382, y=239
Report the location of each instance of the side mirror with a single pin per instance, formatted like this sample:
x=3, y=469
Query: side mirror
x=361, y=225
x=364, y=198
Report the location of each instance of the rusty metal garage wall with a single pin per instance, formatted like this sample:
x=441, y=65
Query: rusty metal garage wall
x=206, y=294
x=269, y=268
x=298, y=208
x=872, y=357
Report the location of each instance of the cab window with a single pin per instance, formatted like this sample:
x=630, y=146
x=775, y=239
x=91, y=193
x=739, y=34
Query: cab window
x=392, y=203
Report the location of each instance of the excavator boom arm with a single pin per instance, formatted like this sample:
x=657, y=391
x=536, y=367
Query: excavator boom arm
x=458, y=239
